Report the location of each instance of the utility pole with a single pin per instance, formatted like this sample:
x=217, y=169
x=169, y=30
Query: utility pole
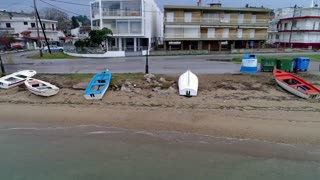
x=3, y=72
x=37, y=26
x=293, y=20
x=147, y=62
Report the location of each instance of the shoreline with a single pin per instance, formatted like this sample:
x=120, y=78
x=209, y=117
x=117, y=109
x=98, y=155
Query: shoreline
x=227, y=124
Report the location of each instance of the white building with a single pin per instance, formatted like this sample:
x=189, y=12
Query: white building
x=136, y=24
x=23, y=25
x=296, y=27
x=81, y=32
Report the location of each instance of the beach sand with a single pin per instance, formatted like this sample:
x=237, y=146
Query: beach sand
x=235, y=106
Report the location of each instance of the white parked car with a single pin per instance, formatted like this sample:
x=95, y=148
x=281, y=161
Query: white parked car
x=53, y=48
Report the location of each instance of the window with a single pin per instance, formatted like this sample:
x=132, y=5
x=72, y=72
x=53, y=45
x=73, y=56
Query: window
x=253, y=18
x=170, y=16
x=123, y=27
x=33, y=25
x=44, y=26
x=285, y=26
x=277, y=37
x=52, y=26
x=8, y=25
x=314, y=25
x=187, y=17
x=294, y=23
x=25, y=23
x=135, y=27
x=226, y=18
x=252, y=33
x=211, y=17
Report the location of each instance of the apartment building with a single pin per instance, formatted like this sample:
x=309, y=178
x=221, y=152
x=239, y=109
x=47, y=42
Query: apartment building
x=296, y=27
x=136, y=24
x=23, y=25
x=214, y=27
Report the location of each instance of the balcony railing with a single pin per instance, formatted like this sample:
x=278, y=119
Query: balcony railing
x=205, y=36
x=6, y=29
x=46, y=29
x=220, y=21
x=120, y=13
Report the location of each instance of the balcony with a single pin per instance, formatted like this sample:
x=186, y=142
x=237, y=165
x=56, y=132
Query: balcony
x=217, y=22
x=121, y=13
x=205, y=36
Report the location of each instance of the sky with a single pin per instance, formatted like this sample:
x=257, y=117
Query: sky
x=26, y=5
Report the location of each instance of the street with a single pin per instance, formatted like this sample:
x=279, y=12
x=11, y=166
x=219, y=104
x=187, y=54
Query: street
x=200, y=64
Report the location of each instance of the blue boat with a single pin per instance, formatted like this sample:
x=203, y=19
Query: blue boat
x=98, y=85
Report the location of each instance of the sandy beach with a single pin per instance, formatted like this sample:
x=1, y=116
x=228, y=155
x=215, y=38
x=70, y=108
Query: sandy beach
x=235, y=106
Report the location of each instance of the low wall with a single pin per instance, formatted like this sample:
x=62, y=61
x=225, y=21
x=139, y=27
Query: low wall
x=105, y=55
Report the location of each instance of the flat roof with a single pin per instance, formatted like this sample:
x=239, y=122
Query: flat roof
x=255, y=9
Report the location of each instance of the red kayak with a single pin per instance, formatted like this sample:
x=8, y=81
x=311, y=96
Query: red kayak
x=295, y=85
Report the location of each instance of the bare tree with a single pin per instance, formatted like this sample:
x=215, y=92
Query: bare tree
x=64, y=22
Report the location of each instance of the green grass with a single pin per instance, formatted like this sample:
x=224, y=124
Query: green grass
x=313, y=57
x=59, y=55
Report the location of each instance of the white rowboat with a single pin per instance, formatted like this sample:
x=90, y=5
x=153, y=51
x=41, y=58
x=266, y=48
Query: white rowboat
x=188, y=84
x=16, y=79
x=41, y=88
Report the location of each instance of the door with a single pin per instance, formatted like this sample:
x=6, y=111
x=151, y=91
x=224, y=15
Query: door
x=170, y=16
x=211, y=32
x=252, y=33
x=239, y=33
x=240, y=18
x=225, y=33
x=187, y=17
x=253, y=18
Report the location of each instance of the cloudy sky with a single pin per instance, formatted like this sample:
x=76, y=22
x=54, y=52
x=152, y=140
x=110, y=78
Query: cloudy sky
x=25, y=5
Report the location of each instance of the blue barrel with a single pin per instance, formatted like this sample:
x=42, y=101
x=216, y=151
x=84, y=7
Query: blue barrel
x=249, y=64
x=301, y=63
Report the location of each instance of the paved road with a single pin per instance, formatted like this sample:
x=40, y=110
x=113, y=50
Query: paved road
x=202, y=64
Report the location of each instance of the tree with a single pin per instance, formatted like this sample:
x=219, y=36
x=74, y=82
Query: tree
x=83, y=20
x=99, y=36
x=63, y=18
x=75, y=23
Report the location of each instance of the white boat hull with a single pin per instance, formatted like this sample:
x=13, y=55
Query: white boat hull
x=188, y=84
x=294, y=91
x=41, y=88
x=16, y=79
x=96, y=96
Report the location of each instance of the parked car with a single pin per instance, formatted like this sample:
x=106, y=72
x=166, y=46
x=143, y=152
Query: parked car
x=53, y=48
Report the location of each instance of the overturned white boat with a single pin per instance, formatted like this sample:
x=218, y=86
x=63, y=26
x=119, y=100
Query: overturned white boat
x=188, y=84
x=41, y=88
x=16, y=79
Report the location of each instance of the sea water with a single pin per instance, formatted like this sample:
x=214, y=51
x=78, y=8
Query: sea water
x=91, y=152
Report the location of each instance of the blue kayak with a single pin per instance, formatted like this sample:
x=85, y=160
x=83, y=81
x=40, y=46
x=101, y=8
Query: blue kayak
x=98, y=85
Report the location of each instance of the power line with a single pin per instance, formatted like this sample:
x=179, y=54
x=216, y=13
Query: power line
x=79, y=4
x=61, y=8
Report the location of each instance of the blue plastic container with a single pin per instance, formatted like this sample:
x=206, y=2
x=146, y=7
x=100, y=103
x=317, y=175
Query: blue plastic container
x=249, y=64
x=301, y=63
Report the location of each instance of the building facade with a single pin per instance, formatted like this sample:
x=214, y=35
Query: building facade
x=136, y=24
x=16, y=23
x=214, y=27
x=296, y=27
x=22, y=26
